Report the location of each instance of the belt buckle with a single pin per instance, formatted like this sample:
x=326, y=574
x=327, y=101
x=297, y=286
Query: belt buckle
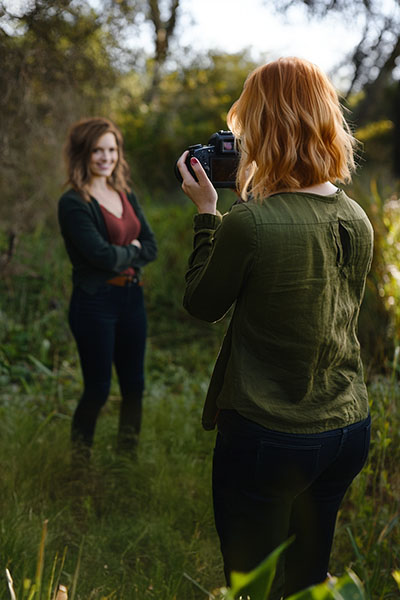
x=131, y=279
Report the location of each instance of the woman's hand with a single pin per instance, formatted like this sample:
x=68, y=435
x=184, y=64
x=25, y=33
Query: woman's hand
x=202, y=192
x=136, y=243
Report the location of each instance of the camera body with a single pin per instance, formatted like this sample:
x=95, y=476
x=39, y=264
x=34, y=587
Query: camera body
x=219, y=158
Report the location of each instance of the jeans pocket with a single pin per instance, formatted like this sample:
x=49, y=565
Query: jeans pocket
x=286, y=469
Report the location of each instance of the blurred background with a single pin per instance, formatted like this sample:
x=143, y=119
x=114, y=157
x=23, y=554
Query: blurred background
x=167, y=71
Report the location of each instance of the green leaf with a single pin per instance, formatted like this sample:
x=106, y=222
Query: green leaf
x=40, y=366
x=347, y=587
x=322, y=591
x=396, y=577
x=257, y=583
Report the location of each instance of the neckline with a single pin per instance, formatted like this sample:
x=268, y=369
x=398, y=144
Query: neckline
x=102, y=207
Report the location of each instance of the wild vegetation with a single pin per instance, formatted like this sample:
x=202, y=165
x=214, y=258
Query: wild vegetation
x=136, y=529
x=144, y=529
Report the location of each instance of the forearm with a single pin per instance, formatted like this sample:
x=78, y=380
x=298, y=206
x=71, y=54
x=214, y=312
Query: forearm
x=222, y=256
x=149, y=249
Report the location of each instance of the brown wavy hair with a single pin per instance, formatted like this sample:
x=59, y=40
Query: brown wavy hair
x=82, y=138
x=290, y=130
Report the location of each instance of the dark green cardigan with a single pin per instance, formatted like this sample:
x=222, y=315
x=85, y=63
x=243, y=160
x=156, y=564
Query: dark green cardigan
x=94, y=259
x=294, y=266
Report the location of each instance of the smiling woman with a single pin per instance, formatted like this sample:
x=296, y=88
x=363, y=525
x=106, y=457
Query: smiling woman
x=108, y=240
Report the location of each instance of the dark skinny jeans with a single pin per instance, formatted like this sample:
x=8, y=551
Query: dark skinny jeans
x=268, y=486
x=109, y=327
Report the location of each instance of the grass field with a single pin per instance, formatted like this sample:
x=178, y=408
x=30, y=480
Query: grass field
x=137, y=530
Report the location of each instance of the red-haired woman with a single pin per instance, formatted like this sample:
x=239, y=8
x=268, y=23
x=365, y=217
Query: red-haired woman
x=108, y=240
x=287, y=393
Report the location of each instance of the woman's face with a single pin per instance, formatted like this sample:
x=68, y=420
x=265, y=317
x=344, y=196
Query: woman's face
x=104, y=156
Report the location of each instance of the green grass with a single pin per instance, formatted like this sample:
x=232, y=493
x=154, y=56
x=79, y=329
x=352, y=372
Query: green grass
x=135, y=529
x=142, y=524
x=368, y=537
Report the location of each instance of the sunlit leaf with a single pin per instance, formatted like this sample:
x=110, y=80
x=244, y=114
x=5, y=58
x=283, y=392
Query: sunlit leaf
x=257, y=583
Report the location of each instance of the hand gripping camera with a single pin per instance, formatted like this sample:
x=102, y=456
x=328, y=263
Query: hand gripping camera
x=219, y=159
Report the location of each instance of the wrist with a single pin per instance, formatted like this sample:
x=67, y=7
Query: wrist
x=207, y=210
x=206, y=221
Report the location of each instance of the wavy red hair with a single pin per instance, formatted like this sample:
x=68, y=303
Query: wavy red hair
x=290, y=130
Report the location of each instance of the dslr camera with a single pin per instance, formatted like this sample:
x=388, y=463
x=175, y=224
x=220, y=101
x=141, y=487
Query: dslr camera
x=219, y=159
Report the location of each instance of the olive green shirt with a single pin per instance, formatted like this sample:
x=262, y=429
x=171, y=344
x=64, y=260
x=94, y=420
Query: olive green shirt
x=294, y=267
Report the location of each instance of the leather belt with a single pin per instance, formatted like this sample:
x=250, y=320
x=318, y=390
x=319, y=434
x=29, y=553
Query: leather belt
x=123, y=280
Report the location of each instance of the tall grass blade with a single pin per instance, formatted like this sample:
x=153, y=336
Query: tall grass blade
x=349, y=587
x=76, y=574
x=57, y=581
x=361, y=560
x=40, y=366
x=53, y=570
x=388, y=528
x=209, y=594
x=396, y=577
x=10, y=584
x=40, y=563
x=32, y=592
x=395, y=365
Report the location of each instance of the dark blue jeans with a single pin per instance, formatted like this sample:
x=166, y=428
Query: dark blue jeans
x=109, y=327
x=268, y=486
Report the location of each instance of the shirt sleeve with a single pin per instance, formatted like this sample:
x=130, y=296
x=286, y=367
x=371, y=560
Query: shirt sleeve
x=148, y=252
x=223, y=254
x=78, y=227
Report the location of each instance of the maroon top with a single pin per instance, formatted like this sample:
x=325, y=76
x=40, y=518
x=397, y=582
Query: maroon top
x=124, y=229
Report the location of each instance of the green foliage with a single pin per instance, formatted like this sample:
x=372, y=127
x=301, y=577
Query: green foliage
x=193, y=104
x=369, y=516
x=56, y=68
x=372, y=130
x=379, y=323
x=257, y=584
x=396, y=577
x=145, y=529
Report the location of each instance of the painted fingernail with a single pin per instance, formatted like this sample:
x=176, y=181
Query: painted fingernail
x=193, y=161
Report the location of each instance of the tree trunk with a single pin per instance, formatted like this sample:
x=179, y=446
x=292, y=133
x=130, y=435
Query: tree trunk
x=163, y=32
